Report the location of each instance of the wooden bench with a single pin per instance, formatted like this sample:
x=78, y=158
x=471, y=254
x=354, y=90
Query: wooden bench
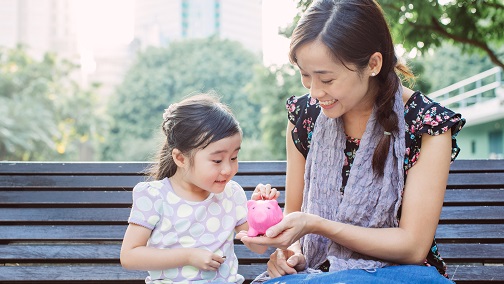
x=64, y=222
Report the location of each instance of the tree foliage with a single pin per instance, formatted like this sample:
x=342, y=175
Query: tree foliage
x=272, y=86
x=161, y=76
x=44, y=114
x=447, y=65
x=476, y=25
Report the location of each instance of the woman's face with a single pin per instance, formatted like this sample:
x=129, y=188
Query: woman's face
x=338, y=89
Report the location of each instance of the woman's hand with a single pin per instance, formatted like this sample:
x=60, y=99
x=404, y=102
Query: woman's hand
x=284, y=262
x=264, y=191
x=260, y=249
x=288, y=231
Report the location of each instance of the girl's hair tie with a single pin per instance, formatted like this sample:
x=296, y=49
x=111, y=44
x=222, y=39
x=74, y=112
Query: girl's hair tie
x=387, y=133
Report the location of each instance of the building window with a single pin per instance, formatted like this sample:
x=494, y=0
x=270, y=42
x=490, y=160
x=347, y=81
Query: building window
x=495, y=147
x=473, y=147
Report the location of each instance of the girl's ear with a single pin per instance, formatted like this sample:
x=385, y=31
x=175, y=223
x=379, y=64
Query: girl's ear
x=375, y=64
x=180, y=160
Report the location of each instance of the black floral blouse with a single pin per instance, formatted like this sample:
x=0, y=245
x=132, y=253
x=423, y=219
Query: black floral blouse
x=422, y=115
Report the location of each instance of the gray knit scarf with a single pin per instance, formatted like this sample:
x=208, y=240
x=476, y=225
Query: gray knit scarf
x=368, y=201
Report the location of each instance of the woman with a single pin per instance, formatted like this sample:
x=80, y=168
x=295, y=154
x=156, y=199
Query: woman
x=361, y=201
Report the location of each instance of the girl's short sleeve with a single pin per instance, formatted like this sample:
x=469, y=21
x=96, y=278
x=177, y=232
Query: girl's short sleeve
x=240, y=200
x=146, y=209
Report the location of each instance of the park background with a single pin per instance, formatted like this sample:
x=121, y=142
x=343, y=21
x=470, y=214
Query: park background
x=88, y=80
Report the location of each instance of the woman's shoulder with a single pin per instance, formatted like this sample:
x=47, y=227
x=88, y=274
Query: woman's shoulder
x=424, y=111
x=301, y=106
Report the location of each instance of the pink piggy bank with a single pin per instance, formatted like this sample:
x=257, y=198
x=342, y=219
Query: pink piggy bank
x=262, y=214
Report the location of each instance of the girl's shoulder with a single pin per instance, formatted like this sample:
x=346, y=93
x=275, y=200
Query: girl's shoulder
x=233, y=192
x=152, y=188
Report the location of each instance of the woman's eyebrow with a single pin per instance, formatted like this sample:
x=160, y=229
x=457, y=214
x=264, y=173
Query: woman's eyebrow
x=317, y=71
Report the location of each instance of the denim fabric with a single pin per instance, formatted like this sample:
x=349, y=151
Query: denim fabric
x=388, y=275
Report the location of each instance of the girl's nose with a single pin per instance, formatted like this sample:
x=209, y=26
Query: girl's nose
x=226, y=169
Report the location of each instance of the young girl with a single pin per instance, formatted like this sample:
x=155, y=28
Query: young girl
x=181, y=224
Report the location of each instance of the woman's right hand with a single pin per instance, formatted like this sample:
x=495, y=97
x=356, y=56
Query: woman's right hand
x=284, y=262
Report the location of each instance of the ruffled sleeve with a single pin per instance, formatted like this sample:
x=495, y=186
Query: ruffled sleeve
x=302, y=112
x=146, y=211
x=424, y=115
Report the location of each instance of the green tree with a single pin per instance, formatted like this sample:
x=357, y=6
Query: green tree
x=446, y=65
x=272, y=86
x=44, y=114
x=161, y=76
x=476, y=25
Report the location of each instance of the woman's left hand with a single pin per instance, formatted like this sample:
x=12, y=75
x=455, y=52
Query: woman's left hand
x=292, y=227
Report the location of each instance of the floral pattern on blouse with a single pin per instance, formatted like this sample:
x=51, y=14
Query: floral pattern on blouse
x=421, y=114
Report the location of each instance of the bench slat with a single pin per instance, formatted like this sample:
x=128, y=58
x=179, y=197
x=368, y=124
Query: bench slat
x=119, y=168
x=10, y=233
x=475, y=180
x=123, y=198
x=463, y=252
x=109, y=253
x=245, y=167
x=112, y=182
x=455, y=181
x=467, y=214
x=110, y=273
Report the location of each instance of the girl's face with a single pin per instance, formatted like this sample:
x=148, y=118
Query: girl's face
x=215, y=165
x=338, y=89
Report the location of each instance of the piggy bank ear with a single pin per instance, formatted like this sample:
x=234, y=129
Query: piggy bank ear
x=250, y=203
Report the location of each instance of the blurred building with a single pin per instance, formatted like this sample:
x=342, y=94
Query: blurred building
x=41, y=25
x=159, y=22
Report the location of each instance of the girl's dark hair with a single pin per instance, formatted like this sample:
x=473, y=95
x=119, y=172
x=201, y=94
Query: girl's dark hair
x=192, y=124
x=354, y=30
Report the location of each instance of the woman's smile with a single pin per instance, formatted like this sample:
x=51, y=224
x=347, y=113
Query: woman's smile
x=327, y=104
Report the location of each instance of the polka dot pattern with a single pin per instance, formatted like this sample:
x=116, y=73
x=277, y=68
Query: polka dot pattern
x=177, y=223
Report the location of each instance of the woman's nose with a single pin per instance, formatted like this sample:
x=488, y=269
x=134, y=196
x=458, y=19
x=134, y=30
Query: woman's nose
x=315, y=91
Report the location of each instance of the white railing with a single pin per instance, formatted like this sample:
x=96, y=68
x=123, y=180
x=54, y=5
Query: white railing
x=472, y=90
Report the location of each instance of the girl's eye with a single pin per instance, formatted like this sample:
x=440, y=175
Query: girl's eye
x=327, y=82
x=234, y=159
x=217, y=161
x=305, y=75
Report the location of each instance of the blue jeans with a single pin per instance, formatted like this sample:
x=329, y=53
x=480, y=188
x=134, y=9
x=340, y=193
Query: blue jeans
x=388, y=275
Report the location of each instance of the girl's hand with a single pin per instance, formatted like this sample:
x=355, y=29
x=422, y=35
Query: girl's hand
x=205, y=260
x=285, y=262
x=264, y=191
x=293, y=226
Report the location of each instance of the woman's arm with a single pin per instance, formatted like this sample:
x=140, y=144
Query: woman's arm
x=421, y=207
x=136, y=255
x=294, y=180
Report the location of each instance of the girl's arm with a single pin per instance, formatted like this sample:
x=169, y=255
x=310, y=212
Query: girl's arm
x=421, y=207
x=136, y=255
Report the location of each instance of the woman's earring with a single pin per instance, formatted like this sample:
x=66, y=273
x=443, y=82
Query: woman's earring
x=373, y=74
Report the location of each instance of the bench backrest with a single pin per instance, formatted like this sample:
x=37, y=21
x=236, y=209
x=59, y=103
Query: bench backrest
x=75, y=214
